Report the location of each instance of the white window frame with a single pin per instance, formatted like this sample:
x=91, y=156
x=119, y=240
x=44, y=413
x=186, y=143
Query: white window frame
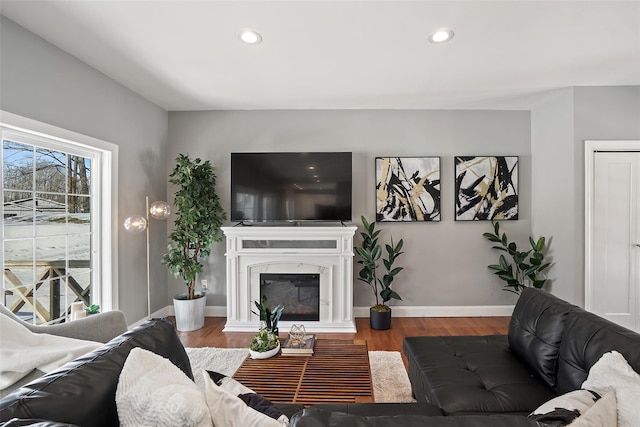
x=105, y=205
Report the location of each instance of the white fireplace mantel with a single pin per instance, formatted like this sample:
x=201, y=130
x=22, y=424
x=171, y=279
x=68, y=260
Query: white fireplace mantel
x=326, y=250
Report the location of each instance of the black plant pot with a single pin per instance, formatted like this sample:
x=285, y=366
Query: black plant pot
x=380, y=320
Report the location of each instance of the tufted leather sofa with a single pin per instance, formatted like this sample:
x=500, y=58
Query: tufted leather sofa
x=82, y=392
x=549, y=349
x=458, y=381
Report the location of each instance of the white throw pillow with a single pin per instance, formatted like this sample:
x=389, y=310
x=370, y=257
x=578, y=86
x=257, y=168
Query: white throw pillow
x=232, y=386
x=228, y=410
x=613, y=371
x=152, y=391
x=603, y=413
x=567, y=407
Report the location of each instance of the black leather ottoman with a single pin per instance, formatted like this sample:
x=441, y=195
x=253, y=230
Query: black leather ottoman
x=472, y=374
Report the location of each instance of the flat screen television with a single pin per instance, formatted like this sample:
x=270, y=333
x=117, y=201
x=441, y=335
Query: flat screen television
x=291, y=187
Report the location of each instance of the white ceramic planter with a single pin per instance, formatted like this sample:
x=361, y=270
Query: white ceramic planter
x=189, y=313
x=265, y=354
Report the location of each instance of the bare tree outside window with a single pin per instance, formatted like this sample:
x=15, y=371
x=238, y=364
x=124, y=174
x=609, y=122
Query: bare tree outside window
x=47, y=229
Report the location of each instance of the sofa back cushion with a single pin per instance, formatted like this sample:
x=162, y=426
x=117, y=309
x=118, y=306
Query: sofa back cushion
x=535, y=331
x=586, y=338
x=82, y=392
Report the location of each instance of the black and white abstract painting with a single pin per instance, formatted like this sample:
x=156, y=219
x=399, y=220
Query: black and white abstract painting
x=486, y=188
x=407, y=189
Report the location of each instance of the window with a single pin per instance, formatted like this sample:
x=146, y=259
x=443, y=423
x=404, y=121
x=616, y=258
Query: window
x=56, y=231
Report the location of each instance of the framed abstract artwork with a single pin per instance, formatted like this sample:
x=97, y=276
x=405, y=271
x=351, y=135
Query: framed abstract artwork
x=486, y=188
x=407, y=189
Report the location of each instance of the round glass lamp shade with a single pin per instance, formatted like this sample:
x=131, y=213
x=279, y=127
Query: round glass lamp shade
x=135, y=224
x=160, y=210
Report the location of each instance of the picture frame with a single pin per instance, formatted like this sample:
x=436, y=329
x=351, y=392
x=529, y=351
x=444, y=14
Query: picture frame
x=407, y=189
x=486, y=188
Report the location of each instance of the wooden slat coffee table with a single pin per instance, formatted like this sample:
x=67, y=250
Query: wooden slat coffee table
x=338, y=372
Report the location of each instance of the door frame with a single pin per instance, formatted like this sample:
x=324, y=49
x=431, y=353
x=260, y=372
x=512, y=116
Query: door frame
x=591, y=147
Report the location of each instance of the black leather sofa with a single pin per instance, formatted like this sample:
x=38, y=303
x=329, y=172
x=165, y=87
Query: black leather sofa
x=458, y=381
x=82, y=393
x=549, y=349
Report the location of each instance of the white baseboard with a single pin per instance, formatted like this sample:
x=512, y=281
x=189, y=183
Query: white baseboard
x=209, y=311
x=443, y=311
x=398, y=311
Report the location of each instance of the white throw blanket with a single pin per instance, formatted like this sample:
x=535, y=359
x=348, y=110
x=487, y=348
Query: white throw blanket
x=22, y=351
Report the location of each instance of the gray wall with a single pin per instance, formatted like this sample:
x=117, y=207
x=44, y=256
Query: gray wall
x=446, y=262
x=553, y=188
x=41, y=82
x=559, y=130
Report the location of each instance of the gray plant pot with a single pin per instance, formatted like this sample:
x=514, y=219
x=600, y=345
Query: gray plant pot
x=380, y=320
x=189, y=312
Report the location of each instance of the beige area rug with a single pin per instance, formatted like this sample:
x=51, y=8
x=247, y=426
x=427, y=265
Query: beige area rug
x=390, y=380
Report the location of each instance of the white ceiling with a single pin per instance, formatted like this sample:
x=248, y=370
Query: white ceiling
x=185, y=55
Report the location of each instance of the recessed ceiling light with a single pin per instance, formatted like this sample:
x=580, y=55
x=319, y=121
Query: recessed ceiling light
x=250, y=37
x=441, y=36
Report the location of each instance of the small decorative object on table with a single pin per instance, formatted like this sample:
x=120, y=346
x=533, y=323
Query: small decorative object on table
x=298, y=343
x=266, y=343
x=297, y=333
x=270, y=316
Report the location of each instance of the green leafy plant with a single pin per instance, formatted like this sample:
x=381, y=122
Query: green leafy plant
x=370, y=253
x=263, y=341
x=199, y=218
x=525, y=268
x=93, y=309
x=270, y=316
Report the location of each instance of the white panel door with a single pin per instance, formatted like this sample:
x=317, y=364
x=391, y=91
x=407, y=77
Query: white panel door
x=615, y=248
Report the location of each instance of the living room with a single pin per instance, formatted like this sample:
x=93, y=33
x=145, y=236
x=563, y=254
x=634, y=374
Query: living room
x=445, y=261
x=443, y=278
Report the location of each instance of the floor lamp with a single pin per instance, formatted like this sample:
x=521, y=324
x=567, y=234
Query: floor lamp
x=137, y=224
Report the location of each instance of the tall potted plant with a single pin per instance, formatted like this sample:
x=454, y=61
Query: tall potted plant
x=370, y=253
x=197, y=226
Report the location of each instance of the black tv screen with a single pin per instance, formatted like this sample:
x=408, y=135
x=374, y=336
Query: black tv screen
x=278, y=187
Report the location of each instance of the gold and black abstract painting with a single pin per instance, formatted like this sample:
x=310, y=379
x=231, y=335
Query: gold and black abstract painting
x=486, y=188
x=407, y=189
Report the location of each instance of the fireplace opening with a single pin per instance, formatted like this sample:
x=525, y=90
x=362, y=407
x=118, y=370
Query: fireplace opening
x=300, y=293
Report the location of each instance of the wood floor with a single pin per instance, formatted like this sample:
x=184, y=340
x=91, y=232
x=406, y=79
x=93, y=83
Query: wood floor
x=211, y=334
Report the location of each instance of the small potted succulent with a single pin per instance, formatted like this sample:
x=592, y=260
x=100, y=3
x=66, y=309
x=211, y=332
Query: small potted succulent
x=266, y=342
x=92, y=309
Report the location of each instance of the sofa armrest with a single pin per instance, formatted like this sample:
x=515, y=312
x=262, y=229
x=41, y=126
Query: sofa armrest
x=101, y=327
